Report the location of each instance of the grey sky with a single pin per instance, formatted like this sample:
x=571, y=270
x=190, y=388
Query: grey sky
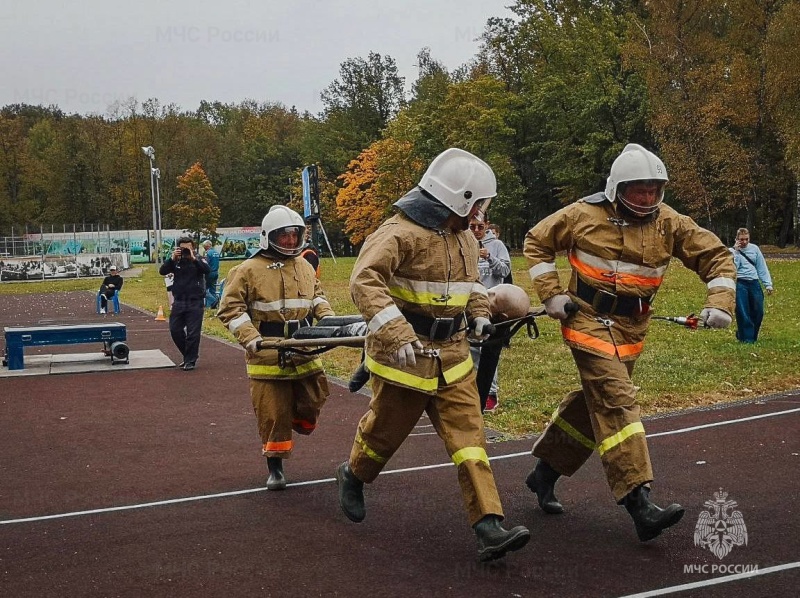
x=84, y=55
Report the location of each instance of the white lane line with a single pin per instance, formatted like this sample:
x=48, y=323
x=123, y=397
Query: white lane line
x=326, y=480
x=715, y=581
x=423, y=434
x=723, y=423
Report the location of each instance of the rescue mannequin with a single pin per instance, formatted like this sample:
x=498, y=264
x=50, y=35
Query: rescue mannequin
x=271, y=295
x=415, y=282
x=508, y=302
x=619, y=244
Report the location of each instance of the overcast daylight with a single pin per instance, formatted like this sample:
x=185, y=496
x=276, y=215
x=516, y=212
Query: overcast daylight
x=85, y=56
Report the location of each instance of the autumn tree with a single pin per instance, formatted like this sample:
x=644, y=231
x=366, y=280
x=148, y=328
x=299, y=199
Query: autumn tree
x=380, y=175
x=572, y=102
x=782, y=58
x=196, y=212
x=706, y=65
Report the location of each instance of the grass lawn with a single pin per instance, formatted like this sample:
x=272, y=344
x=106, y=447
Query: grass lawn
x=679, y=368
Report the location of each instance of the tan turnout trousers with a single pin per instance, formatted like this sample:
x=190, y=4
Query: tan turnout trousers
x=285, y=405
x=456, y=416
x=602, y=416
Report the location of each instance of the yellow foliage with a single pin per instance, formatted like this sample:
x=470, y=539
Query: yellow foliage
x=379, y=176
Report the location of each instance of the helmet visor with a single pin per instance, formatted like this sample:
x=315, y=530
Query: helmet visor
x=479, y=209
x=287, y=240
x=642, y=197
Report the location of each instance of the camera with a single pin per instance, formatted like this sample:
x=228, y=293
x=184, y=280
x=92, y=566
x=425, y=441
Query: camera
x=185, y=252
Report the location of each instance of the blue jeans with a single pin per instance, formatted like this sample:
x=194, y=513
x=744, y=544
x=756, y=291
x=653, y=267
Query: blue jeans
x=749, y=309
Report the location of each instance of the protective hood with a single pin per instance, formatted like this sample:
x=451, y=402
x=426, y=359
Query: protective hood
x=423, y=208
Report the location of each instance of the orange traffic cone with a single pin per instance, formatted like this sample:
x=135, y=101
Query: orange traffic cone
x=160, y=316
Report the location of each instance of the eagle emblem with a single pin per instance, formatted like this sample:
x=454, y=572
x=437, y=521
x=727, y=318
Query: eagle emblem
x=720, y=528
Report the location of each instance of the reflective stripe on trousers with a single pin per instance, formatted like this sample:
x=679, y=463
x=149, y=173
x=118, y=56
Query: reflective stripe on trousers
x=603, y=415
x=456, y=417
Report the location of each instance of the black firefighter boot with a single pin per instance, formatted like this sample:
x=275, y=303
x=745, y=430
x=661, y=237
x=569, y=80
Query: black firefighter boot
x=649, y=519
x=276, y=480
x=494, y=541
x=351, y=493
x=542, y=481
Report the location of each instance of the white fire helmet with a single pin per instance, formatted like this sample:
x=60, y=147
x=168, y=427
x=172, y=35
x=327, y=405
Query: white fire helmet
x=635, y=163
x=462, y=182
x=280, y=220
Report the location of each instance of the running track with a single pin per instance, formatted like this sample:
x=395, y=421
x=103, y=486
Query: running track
x=150, y=483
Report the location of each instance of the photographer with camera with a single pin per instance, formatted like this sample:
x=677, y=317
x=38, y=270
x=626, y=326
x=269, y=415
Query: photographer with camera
x=189, y=291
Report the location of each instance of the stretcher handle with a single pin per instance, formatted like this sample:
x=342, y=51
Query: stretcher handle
x=291, y=343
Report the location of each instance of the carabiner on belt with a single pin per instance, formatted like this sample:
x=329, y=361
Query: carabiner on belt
x=607, y=322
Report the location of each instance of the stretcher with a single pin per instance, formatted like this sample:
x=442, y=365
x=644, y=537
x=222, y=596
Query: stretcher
x=350, y=331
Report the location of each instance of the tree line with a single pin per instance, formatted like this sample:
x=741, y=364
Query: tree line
x=549, y=100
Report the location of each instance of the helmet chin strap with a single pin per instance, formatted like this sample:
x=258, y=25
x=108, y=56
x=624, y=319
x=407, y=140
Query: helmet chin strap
x=641, y=218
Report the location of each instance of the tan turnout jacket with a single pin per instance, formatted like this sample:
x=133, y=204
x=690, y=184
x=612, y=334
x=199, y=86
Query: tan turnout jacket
x=623, y=257
x=267, y=289
x=406, y=267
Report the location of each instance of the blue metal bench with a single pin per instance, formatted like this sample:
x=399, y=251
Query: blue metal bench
x=111, y=334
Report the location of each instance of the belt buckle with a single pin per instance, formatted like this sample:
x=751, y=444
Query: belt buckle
x=441, y=323
x=287, y=328
x=602, y=299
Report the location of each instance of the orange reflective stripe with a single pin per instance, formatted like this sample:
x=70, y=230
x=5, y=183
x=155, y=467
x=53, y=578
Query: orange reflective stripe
x=628, y=350
x=588, y=341
x=306, y=425
x=278, y=447
x=601, y=345
x=591, y=271
x=642, y=281
x=607, y=275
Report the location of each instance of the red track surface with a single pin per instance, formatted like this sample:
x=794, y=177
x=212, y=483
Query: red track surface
x=73, y=444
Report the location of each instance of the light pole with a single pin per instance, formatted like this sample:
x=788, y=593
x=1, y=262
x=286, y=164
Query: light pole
x=155, y=175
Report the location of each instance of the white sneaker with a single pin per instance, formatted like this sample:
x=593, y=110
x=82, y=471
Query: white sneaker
x=102, y=311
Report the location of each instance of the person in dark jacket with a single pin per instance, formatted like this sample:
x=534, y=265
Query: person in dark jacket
x=189, y=291
x=112, y=284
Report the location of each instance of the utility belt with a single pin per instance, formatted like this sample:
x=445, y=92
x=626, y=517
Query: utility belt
x=612, y=304
x=282, y=329
x=437, y=329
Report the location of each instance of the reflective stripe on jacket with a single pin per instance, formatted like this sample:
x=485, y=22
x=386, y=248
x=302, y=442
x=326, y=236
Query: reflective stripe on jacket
x=624, y=257
x=405, y=267
x=267, y=289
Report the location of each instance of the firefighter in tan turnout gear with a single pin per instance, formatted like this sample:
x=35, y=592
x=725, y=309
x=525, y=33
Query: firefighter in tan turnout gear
x=619, y=244
x=416, y=283
x=271, y=295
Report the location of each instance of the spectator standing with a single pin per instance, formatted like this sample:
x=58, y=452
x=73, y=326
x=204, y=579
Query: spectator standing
x=494, y=265
x=212, y=258
x=188, y=290
x=495, y=228
x=168, y=280
x=751, y=272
